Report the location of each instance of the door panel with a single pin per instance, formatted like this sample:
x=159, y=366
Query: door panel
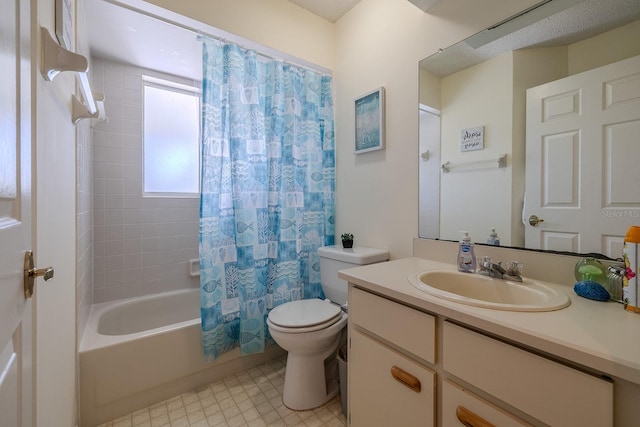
x=582, y=151
x=15, y=213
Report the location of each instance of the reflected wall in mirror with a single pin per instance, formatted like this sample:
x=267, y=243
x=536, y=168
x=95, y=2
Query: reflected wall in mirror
x=484, y=81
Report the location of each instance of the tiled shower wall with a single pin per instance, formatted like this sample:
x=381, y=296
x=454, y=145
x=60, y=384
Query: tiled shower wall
x=142, y=245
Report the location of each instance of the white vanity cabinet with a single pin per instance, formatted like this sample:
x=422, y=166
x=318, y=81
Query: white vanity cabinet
x=388, y=387
x=555, y=394
x=481, y=380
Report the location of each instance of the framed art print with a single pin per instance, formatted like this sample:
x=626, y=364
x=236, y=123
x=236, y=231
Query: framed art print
x=369, y=117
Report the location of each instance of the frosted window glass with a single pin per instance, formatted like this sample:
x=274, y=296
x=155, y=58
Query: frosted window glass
x=171, y=141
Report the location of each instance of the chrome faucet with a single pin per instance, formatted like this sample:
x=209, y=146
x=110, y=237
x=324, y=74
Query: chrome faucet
x=489, y=268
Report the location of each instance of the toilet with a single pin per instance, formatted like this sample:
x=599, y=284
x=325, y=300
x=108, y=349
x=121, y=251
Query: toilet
x=310, y=330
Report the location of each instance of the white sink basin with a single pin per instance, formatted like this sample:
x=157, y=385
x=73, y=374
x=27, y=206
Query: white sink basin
x=487, y=292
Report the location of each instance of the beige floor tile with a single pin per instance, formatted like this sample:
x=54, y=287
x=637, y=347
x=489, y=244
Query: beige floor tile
x=231, y=412
x=251, y=398
x=140, y=417
x=312, y=421
x=206, y=401
x=160, y=421
x=256, y=423
x=196, y=416
x=292, y=419
x=174, y=404
x=216, y=419
x=245, y=405
x=271, y=417
x=264, y=408
x=180, y=422
x=176, y=414
x=193, y=407
x=123, y=421
x=237, y=421
x=250, y=414
x=159, y=409
x=212, y=410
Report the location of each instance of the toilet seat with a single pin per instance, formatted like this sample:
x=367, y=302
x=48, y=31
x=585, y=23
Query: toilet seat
x=305, y=315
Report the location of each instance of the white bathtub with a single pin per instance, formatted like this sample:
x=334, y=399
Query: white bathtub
x=140, y=351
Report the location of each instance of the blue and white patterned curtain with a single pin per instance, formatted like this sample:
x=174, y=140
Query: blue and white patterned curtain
x=267, y=194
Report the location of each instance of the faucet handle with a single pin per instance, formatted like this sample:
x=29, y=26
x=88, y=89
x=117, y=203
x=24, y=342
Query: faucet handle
x=486, y=263
x=514, y=268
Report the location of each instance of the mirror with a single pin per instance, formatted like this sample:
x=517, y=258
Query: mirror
x=474, y=164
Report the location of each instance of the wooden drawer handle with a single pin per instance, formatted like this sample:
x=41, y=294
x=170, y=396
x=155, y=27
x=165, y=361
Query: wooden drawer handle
x=471, y=419
x=406, y=378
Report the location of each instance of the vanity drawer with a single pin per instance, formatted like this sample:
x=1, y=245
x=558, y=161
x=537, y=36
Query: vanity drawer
x=459, y=404
x=549, y=391
x=390, y=320
x=387, y=388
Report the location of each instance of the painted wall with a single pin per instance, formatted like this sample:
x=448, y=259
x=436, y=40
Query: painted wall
x=55, y=236
x=604, y=49
x=84, y=203
x=379, y=43
x=471, y=193
x=491, y=94
x=141, y=244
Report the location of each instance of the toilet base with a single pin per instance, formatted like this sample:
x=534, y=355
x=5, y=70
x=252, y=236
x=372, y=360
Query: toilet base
x=310, y=380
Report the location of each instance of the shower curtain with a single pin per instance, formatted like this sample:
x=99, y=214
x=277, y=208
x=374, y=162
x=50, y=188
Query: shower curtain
x=267, y=193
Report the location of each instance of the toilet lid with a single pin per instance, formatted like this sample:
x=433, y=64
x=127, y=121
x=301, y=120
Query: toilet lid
x=305, y=313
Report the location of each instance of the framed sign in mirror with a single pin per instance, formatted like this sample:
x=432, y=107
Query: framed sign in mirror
x=369, y=117
x=64, y=23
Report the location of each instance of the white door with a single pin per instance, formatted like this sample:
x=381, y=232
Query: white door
x=429, y=172
x=583, y=154
x=15, y=214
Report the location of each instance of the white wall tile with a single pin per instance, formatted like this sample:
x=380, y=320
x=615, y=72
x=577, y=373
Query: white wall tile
x=133, y=260
x=132, y=246
x=140, y=244
x=131, y=216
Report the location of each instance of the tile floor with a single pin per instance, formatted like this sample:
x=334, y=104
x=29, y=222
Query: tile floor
x=249, y=398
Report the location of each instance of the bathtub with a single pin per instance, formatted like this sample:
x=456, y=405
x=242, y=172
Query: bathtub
x=140, y=351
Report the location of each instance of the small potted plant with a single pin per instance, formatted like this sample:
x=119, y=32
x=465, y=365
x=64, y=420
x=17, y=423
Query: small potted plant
x=347, y=240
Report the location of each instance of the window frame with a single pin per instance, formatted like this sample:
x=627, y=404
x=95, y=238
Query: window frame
x=172, y=86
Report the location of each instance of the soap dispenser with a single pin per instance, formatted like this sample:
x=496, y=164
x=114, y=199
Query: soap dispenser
x=466, y=255
x=493, y=238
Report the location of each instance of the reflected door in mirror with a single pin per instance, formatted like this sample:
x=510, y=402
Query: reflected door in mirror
x=583, y=152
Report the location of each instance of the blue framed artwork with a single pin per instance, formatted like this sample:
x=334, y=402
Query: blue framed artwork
x=369, y=110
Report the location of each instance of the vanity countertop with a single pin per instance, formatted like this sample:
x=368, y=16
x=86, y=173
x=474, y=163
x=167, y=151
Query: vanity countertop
x=601, y=336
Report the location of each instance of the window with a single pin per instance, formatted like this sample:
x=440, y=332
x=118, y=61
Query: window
x=171, y=129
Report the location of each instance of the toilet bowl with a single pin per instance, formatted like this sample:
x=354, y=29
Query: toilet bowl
x=311, y=330
x=310, y=347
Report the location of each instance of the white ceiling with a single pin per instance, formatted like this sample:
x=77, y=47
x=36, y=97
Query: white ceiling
x=125, y=35
x=331, y=10
x=570, y=21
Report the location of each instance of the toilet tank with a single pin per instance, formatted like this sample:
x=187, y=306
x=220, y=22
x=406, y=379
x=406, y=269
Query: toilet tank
x=336, y=258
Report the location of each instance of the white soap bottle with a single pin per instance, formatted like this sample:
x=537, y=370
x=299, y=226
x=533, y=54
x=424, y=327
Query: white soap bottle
x=466, y=255
x=493, y=238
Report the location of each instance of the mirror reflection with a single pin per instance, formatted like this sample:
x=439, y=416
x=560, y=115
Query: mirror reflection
x=530, y=128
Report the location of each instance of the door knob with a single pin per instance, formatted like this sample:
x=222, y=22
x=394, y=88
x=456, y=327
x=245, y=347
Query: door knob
x=534, y=220
x=30, y=274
